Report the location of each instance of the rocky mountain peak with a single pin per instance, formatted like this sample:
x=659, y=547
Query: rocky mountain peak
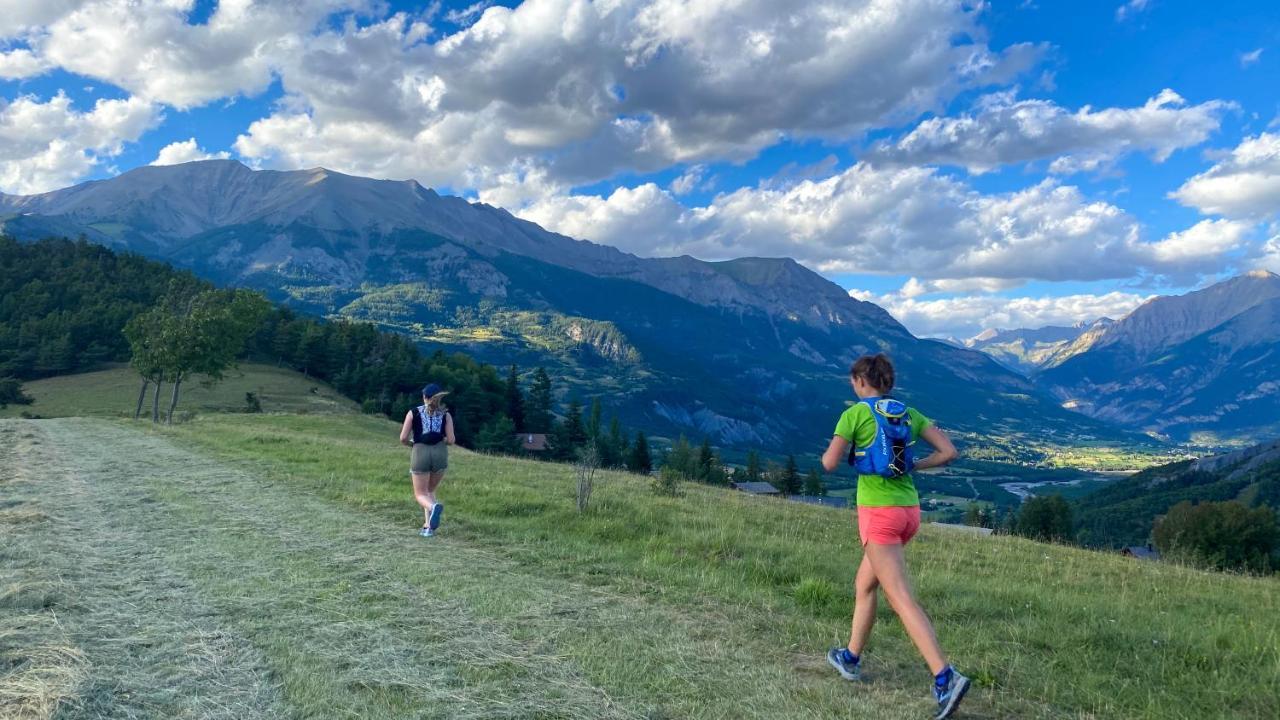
x=332, y=222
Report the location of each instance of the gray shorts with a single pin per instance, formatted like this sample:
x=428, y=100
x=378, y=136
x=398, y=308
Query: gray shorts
x=429, y=458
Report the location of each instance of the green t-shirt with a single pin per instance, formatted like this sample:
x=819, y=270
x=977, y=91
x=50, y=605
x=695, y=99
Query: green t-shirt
x=858, y=426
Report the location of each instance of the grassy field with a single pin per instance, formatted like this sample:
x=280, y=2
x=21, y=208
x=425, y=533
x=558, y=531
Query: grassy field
x=266, y=566
x=114, y=392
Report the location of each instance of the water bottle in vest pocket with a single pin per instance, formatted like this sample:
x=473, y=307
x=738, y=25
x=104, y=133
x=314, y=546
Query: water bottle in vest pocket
x=889, y=454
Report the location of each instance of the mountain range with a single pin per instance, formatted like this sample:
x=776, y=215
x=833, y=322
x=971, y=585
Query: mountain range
x=1203, y=367
x=1030, y=350
x=750, y=352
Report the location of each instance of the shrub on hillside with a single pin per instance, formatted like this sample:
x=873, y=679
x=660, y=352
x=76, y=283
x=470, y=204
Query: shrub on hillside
x=667, y=482
x=251, y=403
x=11, y=393
x=1045, y=518
x=585, y=469
x=1219, y=535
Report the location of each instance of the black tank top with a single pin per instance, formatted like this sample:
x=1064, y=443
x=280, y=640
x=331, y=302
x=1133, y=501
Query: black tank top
x=428, y=427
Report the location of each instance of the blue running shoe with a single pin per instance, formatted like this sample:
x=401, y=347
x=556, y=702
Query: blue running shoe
x=436, y=511
x=846, y=663
x=950, y=694
x=425, y=531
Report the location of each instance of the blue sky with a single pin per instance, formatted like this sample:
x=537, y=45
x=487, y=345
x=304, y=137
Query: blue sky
x=1013, y=164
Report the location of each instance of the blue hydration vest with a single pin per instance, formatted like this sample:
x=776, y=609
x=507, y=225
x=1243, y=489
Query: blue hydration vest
x=428, y=427
x=889, y=454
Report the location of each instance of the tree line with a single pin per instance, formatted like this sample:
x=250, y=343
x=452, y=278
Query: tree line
x=1217, y=535
x=63, y=304
x=532, y=412
x=703, y=464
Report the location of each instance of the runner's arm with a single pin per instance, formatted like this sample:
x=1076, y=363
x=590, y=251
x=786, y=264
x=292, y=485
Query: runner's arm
x=838, y=448
x=943, y=451
x=448, y=429
x=406, y=430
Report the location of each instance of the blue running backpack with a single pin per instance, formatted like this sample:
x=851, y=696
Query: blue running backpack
x=889, y=454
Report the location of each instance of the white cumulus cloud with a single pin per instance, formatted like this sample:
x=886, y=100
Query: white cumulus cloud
x=20, y=63
x=1006, y=130
x=149, y=48
x=1244, y=184
x=591, y=89
x=1269, y=255
x=1131, y=8
x=968, y=315
x=896, y=221
x=1205, y=242
x=185, y=151
x=48, y=145
x=20, y=16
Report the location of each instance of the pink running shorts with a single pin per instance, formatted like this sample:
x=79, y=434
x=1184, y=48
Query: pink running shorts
x=888, y=525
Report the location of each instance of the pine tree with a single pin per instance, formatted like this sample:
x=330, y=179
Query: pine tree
x=789, y=478
x=716, y=473
x=1009, y=522
x=514, y=400
x=753, y=473
x=498, y=436
x=813, y=484
x=639, y=461
x=681, y=459
x=574, y=432
x=706, y=459
x=594, y=424
x=973, y=515
x=537, y=416
x=1045, y=518
x=616, y=444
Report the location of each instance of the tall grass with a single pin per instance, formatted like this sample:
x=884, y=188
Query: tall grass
x=1046, y=630
x=267, y=565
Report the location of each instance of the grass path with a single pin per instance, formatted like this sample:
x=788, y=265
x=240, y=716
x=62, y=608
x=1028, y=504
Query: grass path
x=181, y=586
x=347, y=617
x=266, y=566
x=104, y=620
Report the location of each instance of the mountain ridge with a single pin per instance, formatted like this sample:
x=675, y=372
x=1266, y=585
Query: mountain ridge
x=290, y=197
x=1028, y=350
x=1204, y=365
x=711, y=347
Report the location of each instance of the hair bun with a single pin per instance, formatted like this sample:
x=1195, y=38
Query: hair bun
x=876, y=370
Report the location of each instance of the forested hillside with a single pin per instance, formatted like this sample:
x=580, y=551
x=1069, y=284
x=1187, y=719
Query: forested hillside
x=64, y=304
x=1124, y=512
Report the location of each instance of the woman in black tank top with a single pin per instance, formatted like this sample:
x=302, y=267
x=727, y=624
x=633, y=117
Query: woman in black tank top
x=428, y=430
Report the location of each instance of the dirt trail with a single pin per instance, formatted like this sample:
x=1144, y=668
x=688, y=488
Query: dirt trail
x=193, y=588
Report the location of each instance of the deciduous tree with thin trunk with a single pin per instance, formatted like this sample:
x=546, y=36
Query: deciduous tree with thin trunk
x=192, y=333
x=145, y=334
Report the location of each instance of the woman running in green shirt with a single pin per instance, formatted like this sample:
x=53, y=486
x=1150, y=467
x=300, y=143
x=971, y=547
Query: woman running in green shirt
x=888, y=517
